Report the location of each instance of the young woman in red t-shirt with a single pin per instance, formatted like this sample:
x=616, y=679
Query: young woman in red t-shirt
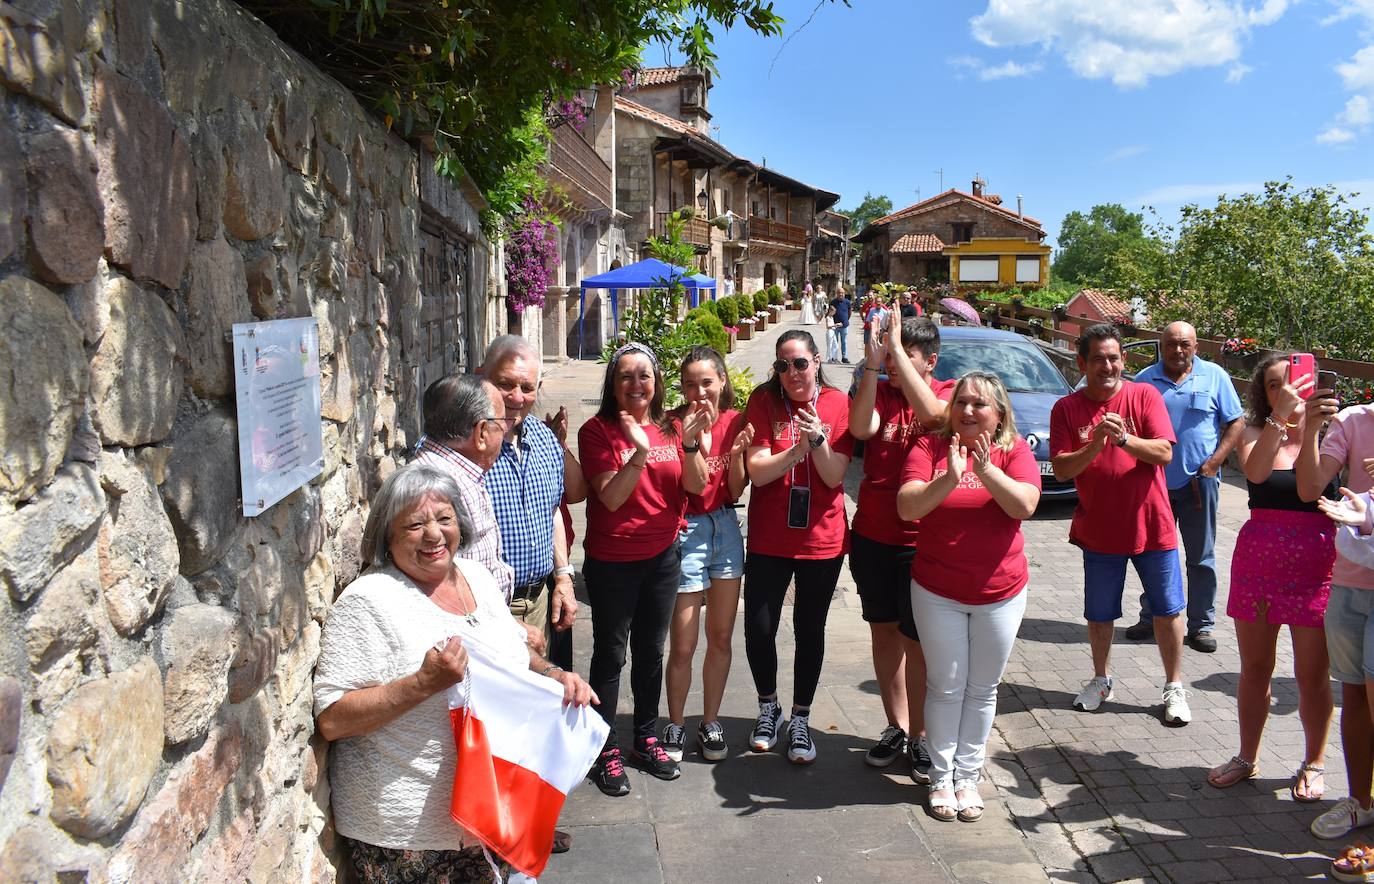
x=714, y=440
x=633, y=462
x=890, y=416
x=971, y=485
x=797, y=528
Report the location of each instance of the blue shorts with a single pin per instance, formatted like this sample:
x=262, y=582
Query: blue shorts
x=1350, y=634
x=1104, y=580
x=712, y=549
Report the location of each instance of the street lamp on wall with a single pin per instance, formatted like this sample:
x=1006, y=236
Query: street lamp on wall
x=702, y=197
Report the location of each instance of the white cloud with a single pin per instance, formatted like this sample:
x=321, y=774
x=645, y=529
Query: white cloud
x=1125, y=153
x=1128, y=41
x=1237, y=72
x=1178, y=194
x=1009, y=69
x=1335, y=135
x=1357, y=117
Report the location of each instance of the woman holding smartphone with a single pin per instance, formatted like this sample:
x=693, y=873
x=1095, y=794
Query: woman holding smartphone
x=1280, y=575
x=633, y=462
x=797, y=529
x=714, y=440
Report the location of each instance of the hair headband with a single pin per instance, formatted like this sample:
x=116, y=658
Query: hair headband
x=634, y=347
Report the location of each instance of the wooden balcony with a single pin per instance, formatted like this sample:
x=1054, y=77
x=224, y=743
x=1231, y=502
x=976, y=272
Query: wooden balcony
x=766, y=228
x=580, y=164
x=829, y=267
x=694, y=230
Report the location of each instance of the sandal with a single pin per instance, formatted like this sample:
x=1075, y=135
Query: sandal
x=1355, y=863
x=970, y=801
x=562, y=841
x=1227, y=775
x=944, y=808
x=1310, y=778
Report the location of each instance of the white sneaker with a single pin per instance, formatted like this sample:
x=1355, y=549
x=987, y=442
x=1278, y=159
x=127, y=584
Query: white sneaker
x=1176, y=711
x=800, y=749
x=1094, y=693
x=1342, y=819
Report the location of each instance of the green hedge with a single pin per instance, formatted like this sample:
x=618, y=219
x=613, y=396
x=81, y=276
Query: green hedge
x=712, y=327
x=774, y=295
x=760, y=301
x=727, y=310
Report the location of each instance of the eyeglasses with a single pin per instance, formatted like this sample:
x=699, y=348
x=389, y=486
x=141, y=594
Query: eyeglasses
x=505, y=420
x=800, y=363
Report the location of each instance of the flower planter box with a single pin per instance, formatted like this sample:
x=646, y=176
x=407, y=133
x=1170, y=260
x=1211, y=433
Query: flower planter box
x=746, y=330
x=730, y=342
x=761, y=320
x=774, y=313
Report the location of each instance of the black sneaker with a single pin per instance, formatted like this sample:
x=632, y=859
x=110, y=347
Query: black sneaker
x=1140, y=630
x=609, y=773
x=919, y=752
x=891, y=743
x=765, y=735
x=655, y=761
x=800, y=749
x=712, y=739
x=1203, y=642
x=674, y=735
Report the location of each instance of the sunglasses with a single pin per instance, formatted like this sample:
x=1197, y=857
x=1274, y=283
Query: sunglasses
x=800, y=363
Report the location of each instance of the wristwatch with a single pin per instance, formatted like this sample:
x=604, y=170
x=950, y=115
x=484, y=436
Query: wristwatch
x=564, y=571
x=692, y=449
x=1121, y=443
x=818, y=441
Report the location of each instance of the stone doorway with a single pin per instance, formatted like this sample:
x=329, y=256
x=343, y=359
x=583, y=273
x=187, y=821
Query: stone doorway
x=443, y=279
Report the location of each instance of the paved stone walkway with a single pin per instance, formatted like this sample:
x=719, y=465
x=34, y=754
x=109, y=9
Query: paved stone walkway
x=1072, y=796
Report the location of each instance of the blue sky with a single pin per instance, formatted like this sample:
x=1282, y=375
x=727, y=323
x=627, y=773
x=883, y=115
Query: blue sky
x=1141, y=102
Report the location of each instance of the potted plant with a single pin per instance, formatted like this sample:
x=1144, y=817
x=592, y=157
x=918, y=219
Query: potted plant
x=746, y=329
x=1241, y=354
x=732, y=334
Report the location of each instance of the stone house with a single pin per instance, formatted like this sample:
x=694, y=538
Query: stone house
x=168, y=169
x=830, y=256
x=968, y=238
x=753, y=227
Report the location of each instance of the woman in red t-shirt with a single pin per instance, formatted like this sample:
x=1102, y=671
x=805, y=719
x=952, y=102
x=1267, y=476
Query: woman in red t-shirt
x=797, y=528
x=970, y=485
x=633, y=463
x=714, y=440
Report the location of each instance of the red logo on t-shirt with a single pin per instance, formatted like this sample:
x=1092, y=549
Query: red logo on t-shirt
x=1084, y=433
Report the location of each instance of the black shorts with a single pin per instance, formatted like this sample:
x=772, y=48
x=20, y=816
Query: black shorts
x=882, y=574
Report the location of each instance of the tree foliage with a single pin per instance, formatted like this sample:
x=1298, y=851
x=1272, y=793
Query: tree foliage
x=870, y=209
x=468, y=74
x=1291, y=268
x=1087, y=242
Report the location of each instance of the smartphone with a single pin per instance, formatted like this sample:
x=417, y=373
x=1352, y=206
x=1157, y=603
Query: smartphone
x=799, y=508
x=1301, y=367
x=1326, y=380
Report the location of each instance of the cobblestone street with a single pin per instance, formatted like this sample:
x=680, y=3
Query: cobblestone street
x=1109, y=796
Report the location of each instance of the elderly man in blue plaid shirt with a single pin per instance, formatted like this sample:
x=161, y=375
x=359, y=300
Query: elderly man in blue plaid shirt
x=526, y=484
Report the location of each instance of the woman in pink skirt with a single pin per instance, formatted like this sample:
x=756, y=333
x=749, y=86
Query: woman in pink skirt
x=1280, y=575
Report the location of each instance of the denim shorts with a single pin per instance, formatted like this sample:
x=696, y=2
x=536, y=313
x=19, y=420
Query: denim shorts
x=1350, y=633
x=712, y=548
x=1104, y=580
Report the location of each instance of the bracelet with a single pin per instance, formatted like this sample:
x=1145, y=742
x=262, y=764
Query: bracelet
x=875, y=370
x=631, y=463
x=552, y=667
x=692, y=449
x=564, y=571
x=1281, y=426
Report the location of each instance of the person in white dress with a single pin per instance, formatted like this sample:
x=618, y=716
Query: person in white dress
x=808, y=300
x=391, y=648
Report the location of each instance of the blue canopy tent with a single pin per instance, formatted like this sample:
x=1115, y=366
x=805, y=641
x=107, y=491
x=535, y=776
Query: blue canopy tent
x=702, y=282
x=650, y=273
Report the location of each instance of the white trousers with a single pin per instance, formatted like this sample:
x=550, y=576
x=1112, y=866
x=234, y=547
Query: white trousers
x=966, y=649
x=832, y=345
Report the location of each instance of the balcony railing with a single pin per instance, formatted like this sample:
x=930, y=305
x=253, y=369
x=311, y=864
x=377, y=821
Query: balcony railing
x=827, y=267
x=767, y=228
x=580, y=163
x=694, y=230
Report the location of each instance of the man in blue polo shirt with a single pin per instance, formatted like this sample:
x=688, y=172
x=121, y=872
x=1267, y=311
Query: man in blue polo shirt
x=1208, y=420
x=843, y=308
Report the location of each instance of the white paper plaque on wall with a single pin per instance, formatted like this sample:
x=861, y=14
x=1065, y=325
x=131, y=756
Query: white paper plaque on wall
x=277, y=387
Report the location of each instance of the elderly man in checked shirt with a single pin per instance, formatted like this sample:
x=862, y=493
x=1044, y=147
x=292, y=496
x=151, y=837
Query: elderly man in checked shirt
x=533, y=469
x=464, y=422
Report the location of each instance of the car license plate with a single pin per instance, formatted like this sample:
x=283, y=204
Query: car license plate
x=1046, y=468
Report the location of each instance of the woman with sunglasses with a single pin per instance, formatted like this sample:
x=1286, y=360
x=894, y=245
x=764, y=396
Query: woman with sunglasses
x=633, y=462
x=797, y=529
x=714, y=440
x=971, y=485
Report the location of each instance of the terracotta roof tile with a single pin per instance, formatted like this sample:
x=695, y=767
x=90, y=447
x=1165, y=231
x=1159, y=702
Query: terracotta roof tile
x=658, y=76
x=941, y=199
x=917, y=243
x=1107, y=304
x=661, y=119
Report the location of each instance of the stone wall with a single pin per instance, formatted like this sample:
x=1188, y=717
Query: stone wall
x=167, y=169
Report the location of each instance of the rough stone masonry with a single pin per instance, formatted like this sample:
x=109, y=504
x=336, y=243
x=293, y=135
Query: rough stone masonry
x=168, y=169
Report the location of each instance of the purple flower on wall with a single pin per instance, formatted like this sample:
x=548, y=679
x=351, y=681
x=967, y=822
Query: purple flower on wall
x=531, y=256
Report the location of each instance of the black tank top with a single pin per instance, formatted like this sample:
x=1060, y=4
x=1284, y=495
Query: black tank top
x=1280, y=492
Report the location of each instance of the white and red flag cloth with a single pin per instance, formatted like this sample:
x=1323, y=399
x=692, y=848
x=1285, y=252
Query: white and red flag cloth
x=520, y=753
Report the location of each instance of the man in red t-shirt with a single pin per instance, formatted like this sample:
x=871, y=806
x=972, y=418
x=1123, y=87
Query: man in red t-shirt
x=1114, y=438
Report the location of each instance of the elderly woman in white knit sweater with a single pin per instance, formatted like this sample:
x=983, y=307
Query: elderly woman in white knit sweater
x=391, y=648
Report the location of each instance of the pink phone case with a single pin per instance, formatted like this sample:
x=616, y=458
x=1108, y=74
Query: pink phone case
x=1301, y=367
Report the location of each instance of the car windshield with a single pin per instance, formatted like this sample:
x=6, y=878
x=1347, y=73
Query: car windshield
x=1022, y=368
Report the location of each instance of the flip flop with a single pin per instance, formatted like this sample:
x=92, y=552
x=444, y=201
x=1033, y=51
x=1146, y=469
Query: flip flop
x=970, y=803
x=945, y=809
x=1237, y=769
x=1309, y=776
